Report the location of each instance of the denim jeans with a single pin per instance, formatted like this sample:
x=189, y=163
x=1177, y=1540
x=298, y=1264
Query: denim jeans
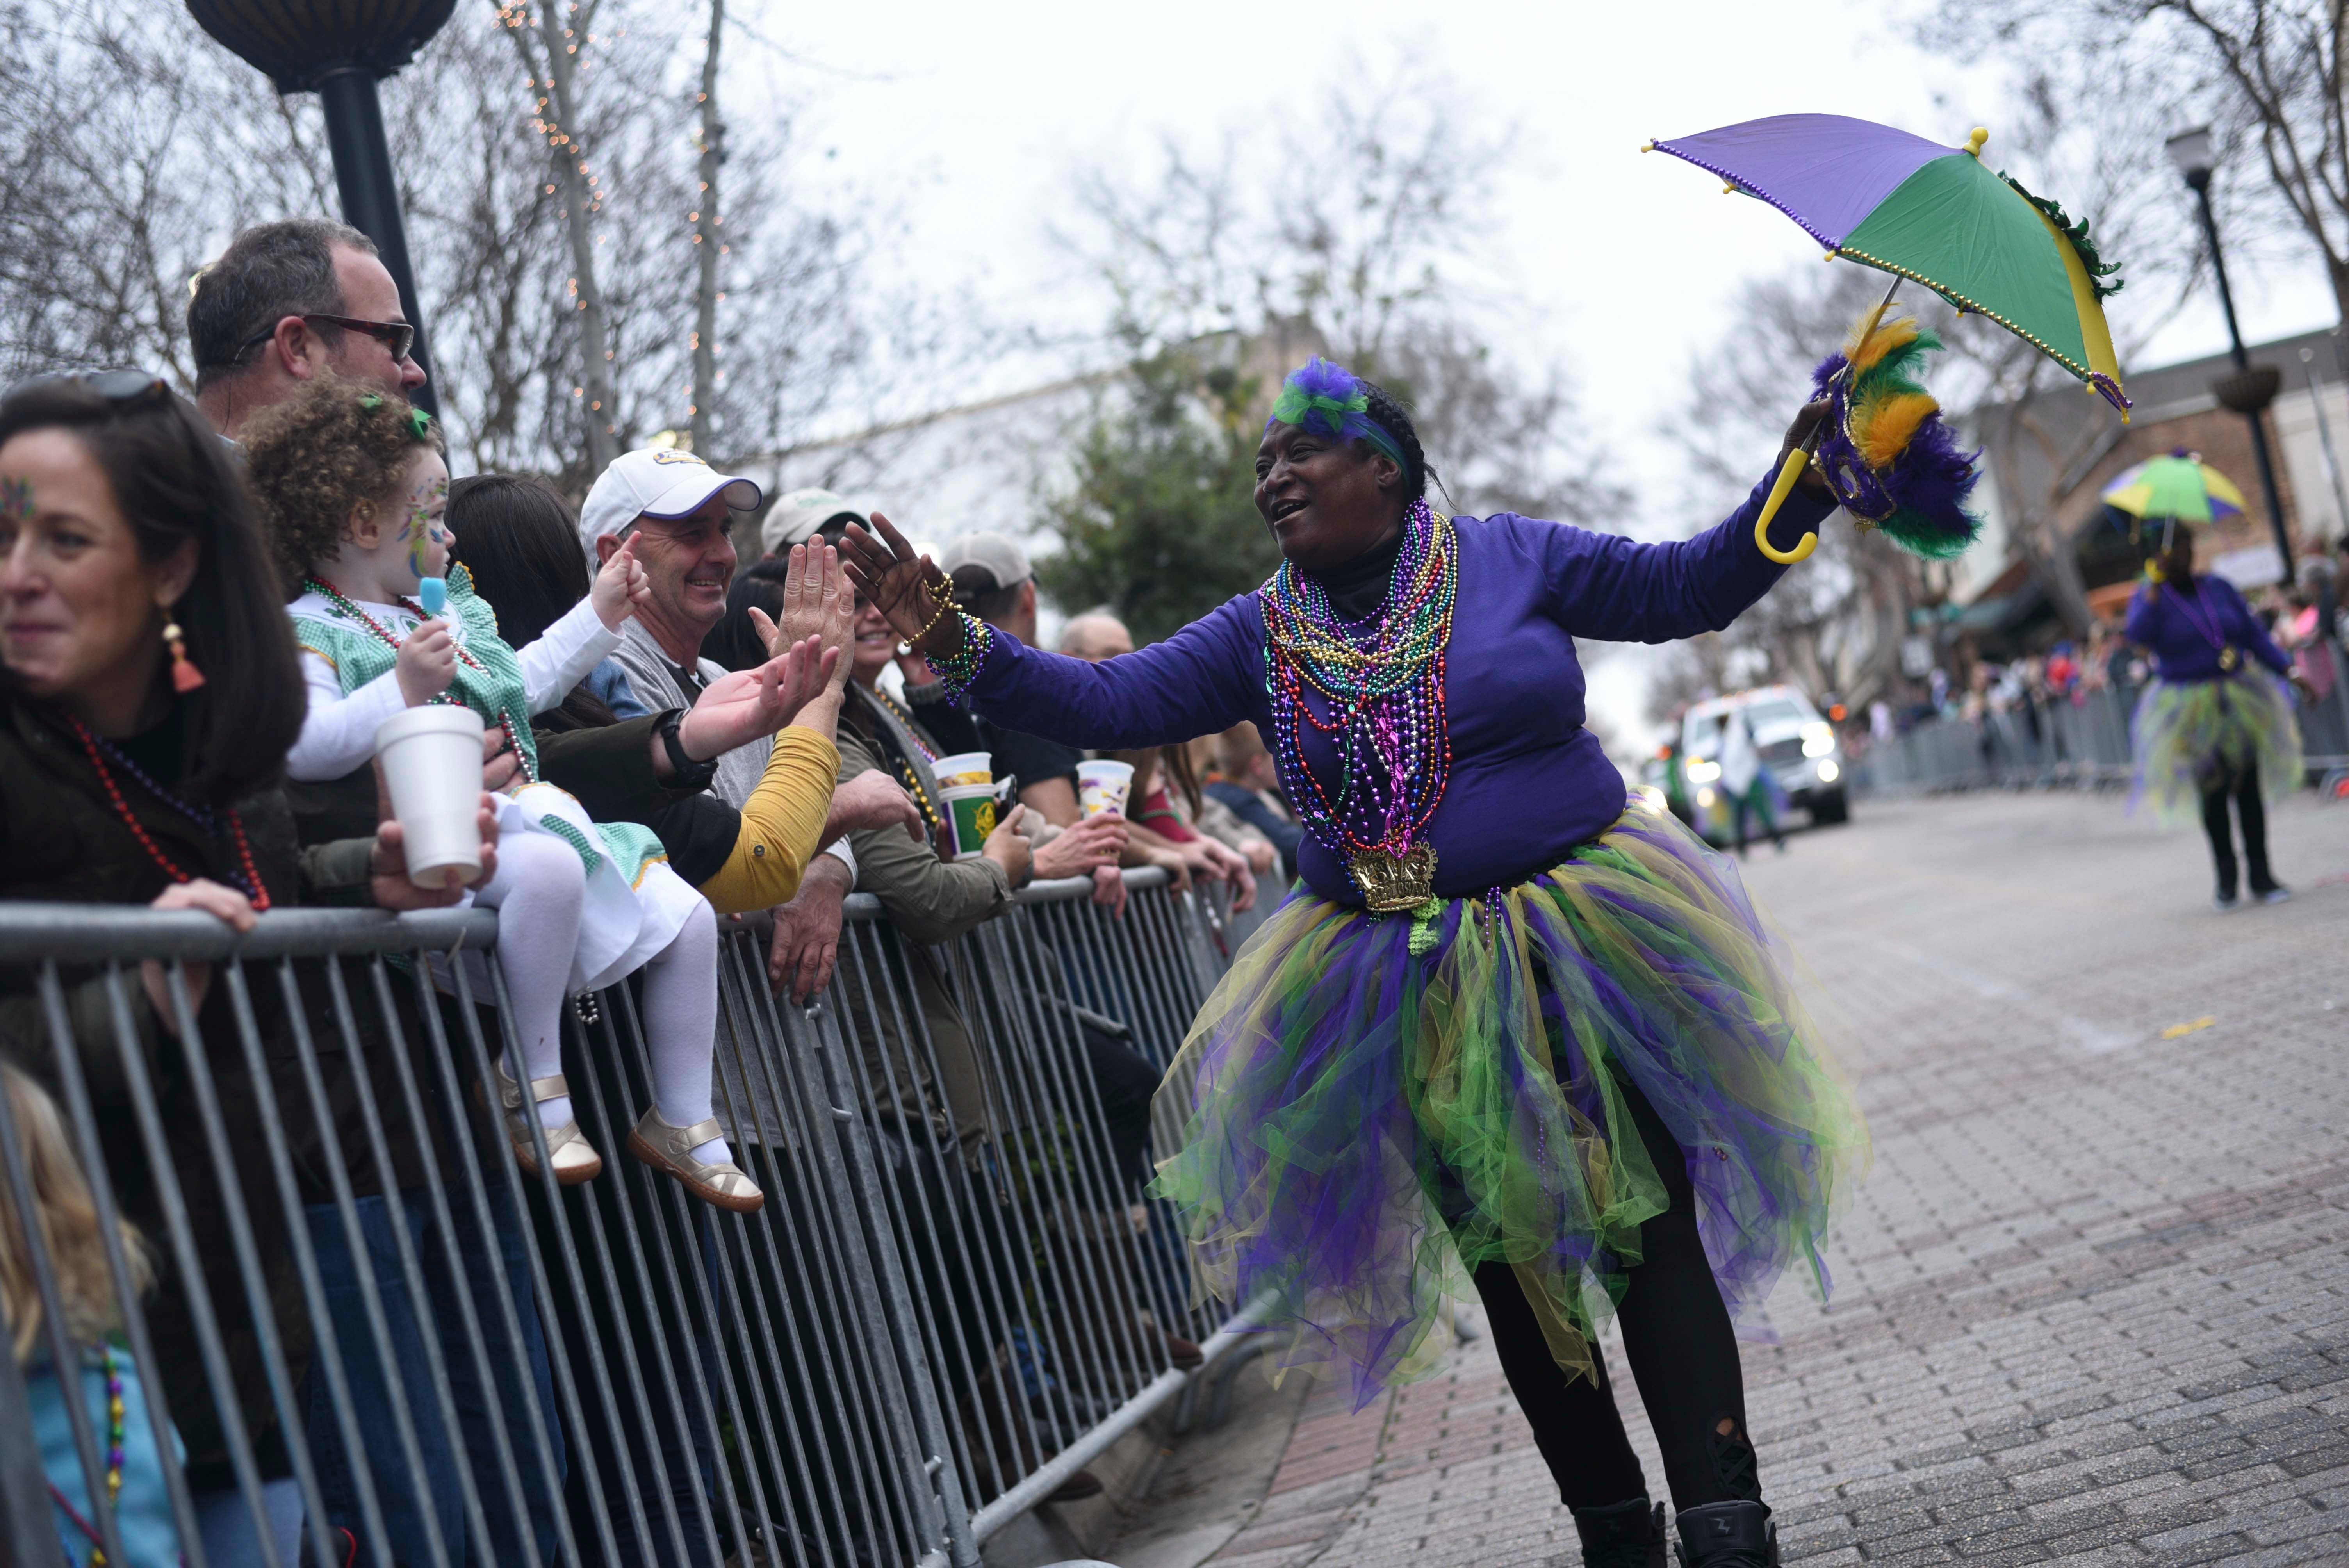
x=481, y=1401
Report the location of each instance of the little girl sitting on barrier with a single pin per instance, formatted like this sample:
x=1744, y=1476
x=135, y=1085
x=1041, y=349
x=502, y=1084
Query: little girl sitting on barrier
x=353, y=488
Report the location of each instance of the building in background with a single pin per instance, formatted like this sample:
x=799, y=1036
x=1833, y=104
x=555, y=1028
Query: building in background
x=2049, y=561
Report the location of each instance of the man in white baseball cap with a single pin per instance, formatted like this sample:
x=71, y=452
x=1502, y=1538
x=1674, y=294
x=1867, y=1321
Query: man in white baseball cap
x=802, y=515
x=679, y=510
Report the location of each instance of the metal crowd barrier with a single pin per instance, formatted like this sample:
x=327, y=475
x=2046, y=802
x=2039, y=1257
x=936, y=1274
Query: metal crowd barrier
x=2061, y=744
x=955, y=1297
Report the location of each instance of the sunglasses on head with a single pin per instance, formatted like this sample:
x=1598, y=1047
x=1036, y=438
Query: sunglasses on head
x=123, y=388
x=397, y=337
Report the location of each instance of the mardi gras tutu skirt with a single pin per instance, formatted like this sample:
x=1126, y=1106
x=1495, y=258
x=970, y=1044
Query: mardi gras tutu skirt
x=1371, y=1102
x=2195, y=735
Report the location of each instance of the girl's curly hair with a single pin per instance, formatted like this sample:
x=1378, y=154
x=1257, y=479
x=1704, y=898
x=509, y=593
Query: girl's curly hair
x=312, y=459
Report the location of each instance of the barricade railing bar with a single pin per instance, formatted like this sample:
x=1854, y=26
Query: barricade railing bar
x=2063, y=743
x=365, y=1309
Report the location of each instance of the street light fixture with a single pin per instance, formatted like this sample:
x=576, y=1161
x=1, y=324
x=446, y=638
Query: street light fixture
x=2191, y=151
x=340, y=49
x=2250, y=389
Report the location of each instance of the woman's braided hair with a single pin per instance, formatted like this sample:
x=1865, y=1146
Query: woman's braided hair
x=1396, y=420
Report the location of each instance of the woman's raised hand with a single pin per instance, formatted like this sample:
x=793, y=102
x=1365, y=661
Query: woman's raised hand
x=906, y=587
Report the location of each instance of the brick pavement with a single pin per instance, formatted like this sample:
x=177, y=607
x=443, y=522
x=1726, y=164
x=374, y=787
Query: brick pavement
x=2093, y=1305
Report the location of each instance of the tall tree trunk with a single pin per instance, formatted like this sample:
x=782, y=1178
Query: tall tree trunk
x=600, y=410
x=706, y=240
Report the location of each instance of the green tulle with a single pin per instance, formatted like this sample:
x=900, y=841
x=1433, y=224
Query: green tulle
x=1365, y=1120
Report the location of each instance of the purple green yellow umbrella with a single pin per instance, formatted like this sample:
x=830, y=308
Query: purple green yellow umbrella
x=1931, y=214
x=2180, y=485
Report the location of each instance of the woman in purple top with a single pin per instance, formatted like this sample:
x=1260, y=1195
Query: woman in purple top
x=2212, y=725
x=1514, y=1029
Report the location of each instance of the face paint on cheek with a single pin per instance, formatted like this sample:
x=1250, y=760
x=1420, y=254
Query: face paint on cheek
x=425, y=527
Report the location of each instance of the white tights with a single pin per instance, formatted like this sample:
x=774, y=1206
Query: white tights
x=539, y=888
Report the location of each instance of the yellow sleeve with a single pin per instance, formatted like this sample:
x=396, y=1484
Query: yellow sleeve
x=781, y=822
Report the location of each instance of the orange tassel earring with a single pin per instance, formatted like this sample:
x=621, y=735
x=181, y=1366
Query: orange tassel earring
x=185, y=677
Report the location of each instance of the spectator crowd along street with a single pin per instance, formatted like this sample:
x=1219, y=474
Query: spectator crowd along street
x=575, y=993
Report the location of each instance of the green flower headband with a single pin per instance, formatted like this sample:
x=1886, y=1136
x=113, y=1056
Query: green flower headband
x=419, y=423
x=1319, y=393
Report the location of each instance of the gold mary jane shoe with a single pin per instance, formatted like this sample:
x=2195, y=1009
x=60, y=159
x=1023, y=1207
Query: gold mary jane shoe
x=575, y=1159
x=719, y=1182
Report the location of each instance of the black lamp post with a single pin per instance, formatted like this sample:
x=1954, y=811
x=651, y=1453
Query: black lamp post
x=2250, y=389
x=340, y=49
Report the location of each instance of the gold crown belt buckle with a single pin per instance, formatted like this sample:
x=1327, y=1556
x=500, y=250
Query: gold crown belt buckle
x=1391, y=882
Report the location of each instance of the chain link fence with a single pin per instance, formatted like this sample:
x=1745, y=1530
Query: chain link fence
x=365, y=1308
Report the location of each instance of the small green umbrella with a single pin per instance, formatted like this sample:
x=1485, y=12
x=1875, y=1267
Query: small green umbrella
x=2180, y=485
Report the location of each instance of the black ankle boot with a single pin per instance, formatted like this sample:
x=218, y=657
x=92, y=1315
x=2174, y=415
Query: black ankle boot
x=1728, y=1535
x=1622, y=1534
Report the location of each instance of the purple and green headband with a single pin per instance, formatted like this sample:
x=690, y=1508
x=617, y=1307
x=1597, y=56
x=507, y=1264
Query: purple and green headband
x=1332, y=398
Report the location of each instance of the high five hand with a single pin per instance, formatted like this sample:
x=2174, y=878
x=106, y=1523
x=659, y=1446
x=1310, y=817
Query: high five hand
x=907, y=588
x=819, y=600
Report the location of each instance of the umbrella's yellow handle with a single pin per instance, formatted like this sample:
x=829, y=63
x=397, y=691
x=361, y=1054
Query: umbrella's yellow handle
x=1788, y=473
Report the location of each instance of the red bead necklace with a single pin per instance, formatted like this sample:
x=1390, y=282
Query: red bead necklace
x=252, y=886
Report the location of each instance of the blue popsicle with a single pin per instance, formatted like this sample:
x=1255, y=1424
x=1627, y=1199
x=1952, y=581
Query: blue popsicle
x=432, y=593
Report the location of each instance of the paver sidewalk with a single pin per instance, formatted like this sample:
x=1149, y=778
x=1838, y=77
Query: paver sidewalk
x=2093, y=1305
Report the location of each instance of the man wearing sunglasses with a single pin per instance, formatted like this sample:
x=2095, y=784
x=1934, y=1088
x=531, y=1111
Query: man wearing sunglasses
x=286, y=302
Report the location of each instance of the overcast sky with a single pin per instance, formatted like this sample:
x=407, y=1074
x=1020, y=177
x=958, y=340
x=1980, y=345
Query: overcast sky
x=972, y=117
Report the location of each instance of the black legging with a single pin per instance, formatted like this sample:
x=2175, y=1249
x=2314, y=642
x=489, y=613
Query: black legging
x=2243, y=784
x=1683, y=1356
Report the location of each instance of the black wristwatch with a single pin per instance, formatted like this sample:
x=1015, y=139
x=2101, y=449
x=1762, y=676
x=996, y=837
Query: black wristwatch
x=690, y=774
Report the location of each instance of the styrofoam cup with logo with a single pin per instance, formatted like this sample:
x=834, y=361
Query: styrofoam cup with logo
x=970, y=808
x=965, y=767
x=1102, y=786
x=431, y=759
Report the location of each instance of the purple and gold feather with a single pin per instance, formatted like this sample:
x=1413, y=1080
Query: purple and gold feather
x=1889, y=455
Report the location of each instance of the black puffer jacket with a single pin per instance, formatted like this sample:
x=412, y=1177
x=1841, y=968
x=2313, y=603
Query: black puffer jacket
x=63, y=840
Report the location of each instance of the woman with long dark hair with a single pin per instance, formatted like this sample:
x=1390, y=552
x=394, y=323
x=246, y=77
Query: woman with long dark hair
x=1515, y=1027
x=149, y=699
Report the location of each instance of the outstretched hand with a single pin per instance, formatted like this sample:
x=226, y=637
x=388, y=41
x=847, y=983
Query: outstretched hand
x=819, y=601
x=743, y=707
x=906, y=588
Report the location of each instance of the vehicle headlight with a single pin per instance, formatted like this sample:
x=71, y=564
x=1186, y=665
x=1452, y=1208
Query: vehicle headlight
x=1704, y=797
x=1702, y=771
x=1829, y=772
x=1818, y=740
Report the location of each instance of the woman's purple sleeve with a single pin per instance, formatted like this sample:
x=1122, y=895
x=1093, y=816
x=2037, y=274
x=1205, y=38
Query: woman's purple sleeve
x=2255, y=636
x=1609, y=588
x=2141, y=613
x=1202, y=680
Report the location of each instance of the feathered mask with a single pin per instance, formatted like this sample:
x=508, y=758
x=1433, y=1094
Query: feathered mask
x=1890, y=457
x=1330, y=397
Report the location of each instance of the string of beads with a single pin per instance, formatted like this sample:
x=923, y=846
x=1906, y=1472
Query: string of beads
x=349, y=610
x=99, y=750
x=113, y=1459
x=959, y=671
x=905, y=774
x=1379, y=683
